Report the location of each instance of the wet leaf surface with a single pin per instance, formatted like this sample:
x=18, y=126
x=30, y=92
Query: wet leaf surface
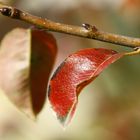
x=78, y=70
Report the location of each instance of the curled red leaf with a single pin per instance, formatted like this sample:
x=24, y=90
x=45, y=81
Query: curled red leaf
x=74, y=74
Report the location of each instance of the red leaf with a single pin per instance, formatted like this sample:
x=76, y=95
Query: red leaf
x=74, y=74
x=43, y=55
x=26, y=60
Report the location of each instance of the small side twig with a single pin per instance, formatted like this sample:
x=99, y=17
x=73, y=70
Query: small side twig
x=86, y=30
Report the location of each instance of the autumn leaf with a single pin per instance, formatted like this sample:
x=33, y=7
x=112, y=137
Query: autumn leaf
x=26, y=60
x=78, y=70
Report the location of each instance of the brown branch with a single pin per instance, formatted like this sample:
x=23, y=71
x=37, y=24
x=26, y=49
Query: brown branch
x=86, y=30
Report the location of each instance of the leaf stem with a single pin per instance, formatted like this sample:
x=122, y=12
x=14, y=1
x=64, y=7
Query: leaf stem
x=135, y=52
x=85, y=30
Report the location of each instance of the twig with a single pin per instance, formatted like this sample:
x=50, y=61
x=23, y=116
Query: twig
x=86, y=30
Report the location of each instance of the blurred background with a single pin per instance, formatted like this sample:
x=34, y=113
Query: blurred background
x=108, y=108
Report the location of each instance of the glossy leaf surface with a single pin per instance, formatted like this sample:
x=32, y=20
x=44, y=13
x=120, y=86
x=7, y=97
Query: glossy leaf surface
x=26, y=60
x=72, y=75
